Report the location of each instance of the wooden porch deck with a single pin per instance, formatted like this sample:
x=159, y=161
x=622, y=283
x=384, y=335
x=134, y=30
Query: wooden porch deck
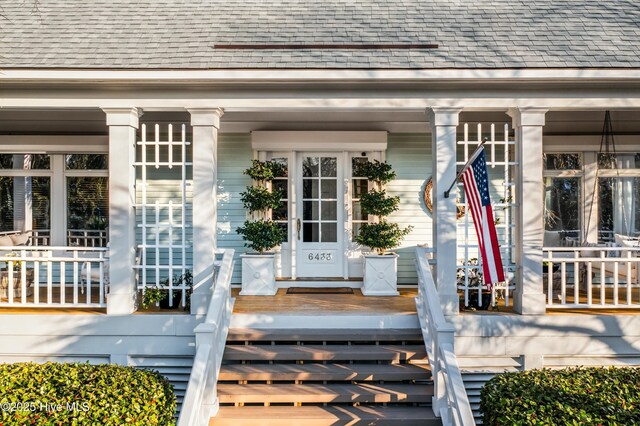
x=314, y=304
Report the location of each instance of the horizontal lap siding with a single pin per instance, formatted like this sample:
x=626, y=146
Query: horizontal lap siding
x=410, y=156
x=234, y=155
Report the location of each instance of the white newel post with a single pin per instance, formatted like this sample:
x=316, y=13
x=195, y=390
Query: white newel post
x=444, y=121
x=123, y=123
x=528, y=123
x=205, y=123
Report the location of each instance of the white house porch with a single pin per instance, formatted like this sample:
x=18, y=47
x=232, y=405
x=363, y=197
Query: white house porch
x=161, y=185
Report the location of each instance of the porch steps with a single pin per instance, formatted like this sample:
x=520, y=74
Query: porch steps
x=325, y=377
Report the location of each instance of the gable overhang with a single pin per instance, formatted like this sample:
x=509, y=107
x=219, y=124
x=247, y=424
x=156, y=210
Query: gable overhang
x=249, y=90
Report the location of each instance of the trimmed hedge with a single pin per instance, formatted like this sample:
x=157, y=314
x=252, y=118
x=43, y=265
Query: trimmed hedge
x=84, y=394
x=571, y=396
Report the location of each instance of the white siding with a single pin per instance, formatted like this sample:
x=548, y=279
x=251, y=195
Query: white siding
x=234, y=155
x=410, y=156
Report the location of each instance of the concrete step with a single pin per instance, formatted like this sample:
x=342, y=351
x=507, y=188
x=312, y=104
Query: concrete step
x=324, y=353
x=331, y=335
x=325, y=416
x=318, y=372
x=331, y=393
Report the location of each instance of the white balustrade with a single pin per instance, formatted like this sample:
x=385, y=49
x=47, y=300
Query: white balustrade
x=201, y=400
x=450, y=400
x=38, y=276
x=591, y=277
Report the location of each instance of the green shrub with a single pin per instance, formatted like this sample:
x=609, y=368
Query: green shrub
x=257, y=198
x=262, y=235
x=572, y=396
x=84, y=394
x=265, y=170
x=378, y=203
x=382, y=236
x=375, y=171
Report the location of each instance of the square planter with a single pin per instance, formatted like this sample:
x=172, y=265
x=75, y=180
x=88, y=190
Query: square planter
x=380, y=275
x=258, y=275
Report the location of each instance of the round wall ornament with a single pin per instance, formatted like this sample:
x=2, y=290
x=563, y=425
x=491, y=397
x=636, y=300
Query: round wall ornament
x=428, y=199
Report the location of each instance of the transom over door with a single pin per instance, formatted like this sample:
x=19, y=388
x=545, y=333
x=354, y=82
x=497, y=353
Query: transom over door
x=319, y=216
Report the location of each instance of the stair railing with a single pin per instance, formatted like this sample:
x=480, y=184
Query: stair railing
x=450, y=400
x=201, y=398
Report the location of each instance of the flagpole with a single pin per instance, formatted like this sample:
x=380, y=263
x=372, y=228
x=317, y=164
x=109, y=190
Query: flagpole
x=473, y=157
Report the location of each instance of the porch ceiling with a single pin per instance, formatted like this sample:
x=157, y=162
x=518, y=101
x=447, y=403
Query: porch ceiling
x=92, y=121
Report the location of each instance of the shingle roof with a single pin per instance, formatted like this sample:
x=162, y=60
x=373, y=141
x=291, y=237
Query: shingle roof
x=180, y=34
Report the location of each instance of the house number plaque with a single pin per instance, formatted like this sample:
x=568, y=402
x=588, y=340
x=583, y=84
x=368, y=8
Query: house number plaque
x=319, y=256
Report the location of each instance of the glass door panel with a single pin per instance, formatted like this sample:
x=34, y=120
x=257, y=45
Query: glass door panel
x=320, y=213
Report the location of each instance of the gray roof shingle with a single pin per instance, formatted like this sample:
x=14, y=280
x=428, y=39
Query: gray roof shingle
x=181, y=34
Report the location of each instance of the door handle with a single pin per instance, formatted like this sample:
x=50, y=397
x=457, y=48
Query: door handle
x=298, y=226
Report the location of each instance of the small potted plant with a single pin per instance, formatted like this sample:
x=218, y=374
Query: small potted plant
x=260, y=233
x=475, y=287
x=159, y=295
x=381, y=268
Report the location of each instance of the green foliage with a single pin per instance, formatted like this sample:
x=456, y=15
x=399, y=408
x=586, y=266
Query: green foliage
x=84, y=394
x=153, y=295
x=572, y=396
x=378, y=203
x=259, y=198
x=265, y=170
x=376, y=171
x=262, y=235
x=382, y=236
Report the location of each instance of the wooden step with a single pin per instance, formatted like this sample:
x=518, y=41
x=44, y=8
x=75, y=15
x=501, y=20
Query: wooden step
x=334, y=393
x=353, y=335
x=325, y=416
x=324, y=352
x=317, y=372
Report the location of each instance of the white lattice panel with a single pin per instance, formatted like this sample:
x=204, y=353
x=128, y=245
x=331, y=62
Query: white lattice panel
x=501, y=164
x=162, y=163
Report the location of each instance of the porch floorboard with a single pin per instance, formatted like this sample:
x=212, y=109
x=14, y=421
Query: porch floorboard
x=315, y=304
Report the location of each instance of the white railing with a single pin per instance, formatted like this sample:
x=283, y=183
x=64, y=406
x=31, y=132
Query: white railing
x=450, y=401
x=591, y=277
x=46, y=277
x=201, y=398
x=88, y=237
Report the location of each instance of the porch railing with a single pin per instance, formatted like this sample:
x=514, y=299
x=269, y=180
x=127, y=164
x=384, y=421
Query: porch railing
x=45, y=277
x=201, y=398
x=450, y=400
x=591, y=277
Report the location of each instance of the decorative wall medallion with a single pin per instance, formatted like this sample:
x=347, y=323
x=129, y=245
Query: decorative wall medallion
x=428, y=199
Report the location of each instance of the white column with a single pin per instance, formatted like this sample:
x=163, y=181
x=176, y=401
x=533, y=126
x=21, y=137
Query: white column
x=444, y=121
x=205, y=123
x=122, y=123
x=528, y=122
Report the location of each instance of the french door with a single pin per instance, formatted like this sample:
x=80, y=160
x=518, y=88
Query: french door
x=319, y=215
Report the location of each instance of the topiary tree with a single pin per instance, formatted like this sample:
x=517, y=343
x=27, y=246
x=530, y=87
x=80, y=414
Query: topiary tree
x=380, y=235
x=259, y=231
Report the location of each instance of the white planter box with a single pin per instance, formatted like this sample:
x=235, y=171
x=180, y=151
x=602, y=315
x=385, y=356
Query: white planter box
x=380, y=275
x=258, y=275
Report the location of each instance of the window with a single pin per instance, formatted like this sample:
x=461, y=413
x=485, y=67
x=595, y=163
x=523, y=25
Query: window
x=359, y=186
x=281, y=214
x=562, y=197
x=27, y=197
x=618, y=195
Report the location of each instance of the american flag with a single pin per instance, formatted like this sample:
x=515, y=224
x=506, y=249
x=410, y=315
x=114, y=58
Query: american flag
x=476, y=189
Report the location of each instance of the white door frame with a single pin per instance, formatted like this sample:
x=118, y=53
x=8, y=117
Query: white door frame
x=312, y=259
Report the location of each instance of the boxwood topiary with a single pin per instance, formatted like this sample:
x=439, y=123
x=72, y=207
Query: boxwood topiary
x=571, y=396
x=84, y=394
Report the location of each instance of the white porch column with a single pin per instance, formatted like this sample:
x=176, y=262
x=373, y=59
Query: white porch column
x=205, y=123
x=123, y=123
x=444, y=121
x=528, y=122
